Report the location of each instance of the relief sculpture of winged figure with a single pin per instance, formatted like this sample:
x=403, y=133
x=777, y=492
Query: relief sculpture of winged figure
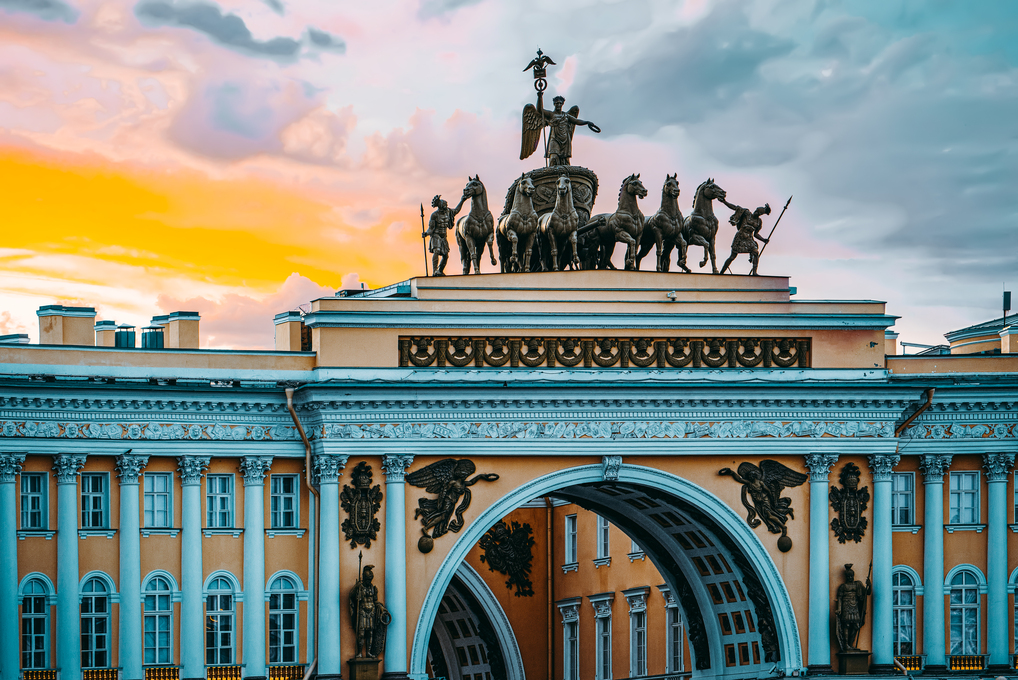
x=761, y=494
x=561, y=126
x=447, y=479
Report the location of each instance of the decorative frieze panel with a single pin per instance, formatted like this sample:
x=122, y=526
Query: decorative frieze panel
x=605, y=352
x=151, y=431
x=959, y=431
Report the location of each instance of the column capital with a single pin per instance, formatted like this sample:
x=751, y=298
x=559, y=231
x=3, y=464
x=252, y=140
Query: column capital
x=934, y=465
x=66, y=465
x=129, y=467
x=191, y=469
x=997, y=466
x=254, y=468
x=10, y=465
x=882, y=464
x=395, y=466
x=326, y=467
x=819, y=465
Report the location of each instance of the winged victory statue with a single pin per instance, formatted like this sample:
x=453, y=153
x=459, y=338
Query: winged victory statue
x=761, y=494
x=447, y=479
x=561, y=123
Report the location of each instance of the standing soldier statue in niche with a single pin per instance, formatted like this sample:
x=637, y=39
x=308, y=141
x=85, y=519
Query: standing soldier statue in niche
x=850, y=609
x=442, y=220
x=562, y=124
x=748, y=225
x=370, y=618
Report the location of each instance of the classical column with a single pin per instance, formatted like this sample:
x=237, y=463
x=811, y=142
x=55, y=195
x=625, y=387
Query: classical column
x=819, y=654
x=997, y=467
x=192, y=611
x=129, y=467
x=934, y=466
x=67, y=629
x=327, y=468
x=883, y=563
x=395, y=467
x=10, y=660
x=253, y=468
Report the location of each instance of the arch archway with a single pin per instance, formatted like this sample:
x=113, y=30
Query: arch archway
x=707, y=554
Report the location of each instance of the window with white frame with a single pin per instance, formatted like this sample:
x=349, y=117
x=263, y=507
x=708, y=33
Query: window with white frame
x=638, y=644
x=219, y=620
x=571, y=655
x=902, y=498
x=95, y=624
x=674, y=662
x=157, y=501
x=283, y=620
x=33, y=500
x=604, y=648
x=158, y=623
x=964, y=498
x=35, y=625
x=219, y=501
x=603, y=547
x=570, y=547
x=964, y=613
x=94, y=503
x=283, y=501
x=903, y=614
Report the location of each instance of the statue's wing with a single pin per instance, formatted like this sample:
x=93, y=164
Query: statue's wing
x=774, y=473
x=575, y=113
x=533, y=121
x=434, y=477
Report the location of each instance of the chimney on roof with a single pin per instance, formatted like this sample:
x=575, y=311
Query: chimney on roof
x=288, y=331
x=180, y=329
x=60, y=325
x=14, y=339
x=105, y=331
x=890, y=343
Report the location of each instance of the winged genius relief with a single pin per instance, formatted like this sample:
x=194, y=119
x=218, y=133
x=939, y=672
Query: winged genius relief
x=761, y=494
x=448, y=479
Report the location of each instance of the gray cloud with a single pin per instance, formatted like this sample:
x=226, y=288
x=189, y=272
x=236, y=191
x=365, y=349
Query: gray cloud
x=325, y=41
x=50, y=10
x=276, y=6
x=228, y=30
x=429, y=9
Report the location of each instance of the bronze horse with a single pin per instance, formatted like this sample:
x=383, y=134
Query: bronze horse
x=560, y=225
x=519, y=224
x=664, y=228
x=625, y=224
x=475, y=228
x=701, y=225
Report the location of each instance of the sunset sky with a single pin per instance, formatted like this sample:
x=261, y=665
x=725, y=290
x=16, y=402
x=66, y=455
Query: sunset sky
x=240, y=158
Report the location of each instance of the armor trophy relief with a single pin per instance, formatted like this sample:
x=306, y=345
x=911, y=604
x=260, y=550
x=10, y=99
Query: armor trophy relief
x=547, y=223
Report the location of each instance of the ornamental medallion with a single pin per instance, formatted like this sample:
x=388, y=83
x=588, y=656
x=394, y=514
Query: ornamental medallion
x=508, y=549
x=849, y=502
x=360, y=503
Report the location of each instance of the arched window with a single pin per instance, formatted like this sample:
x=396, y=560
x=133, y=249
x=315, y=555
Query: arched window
x=283, y=621
x=158, y=621
x=95, y=624
x=219, y=622
x=34, y=626
x=964, y=613
x=904, y=614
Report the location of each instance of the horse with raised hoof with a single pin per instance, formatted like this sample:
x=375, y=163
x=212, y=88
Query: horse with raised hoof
x=517, y=229
x=559, y=226
x=664, y=229
x=625, y=224
x=476, y=228
x=701, y=225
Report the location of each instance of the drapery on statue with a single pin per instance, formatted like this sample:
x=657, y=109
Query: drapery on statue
x=447, y=479
x=748, y=225
x=438, y=226
x=562, y=124
x=370, y=617
x=850, y=608
x=763, y=485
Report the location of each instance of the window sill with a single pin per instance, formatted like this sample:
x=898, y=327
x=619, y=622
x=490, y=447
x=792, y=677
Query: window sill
x=85, y=533
x=272, y=533
x=911, y=528
x=602, y=562
x=1013, y=528
x=572, y=566
x=633, y=556
x=160, y=531
x=209, y=533
x=29, y=533
x=951, y=528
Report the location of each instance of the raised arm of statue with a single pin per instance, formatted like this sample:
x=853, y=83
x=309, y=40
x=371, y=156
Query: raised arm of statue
x=455, y=211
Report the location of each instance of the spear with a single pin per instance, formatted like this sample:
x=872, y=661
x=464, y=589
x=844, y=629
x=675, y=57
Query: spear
x=774, y=227
x=424, y=241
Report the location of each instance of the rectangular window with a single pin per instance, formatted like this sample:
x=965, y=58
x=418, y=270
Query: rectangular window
x=902, y=498
x=219, y=501
x=570, y=539
x=571, y=657
x=964, y=506
x=675, y=663
x=94, y=486
x=602, y=537
x=638, y=644
x=158, y=493
x=604, y=648
x=283, y=501
x=33, y=500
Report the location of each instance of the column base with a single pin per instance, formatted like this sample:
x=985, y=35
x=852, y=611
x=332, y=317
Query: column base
x=820, y=669
x=882, y=669
x=398, y=675
x=934, y=669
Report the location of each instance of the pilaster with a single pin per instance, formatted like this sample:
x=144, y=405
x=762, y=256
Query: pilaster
x=819, y=652
x=67, y=638
x=10, y=661
x=192, y=614
x=883, y=563
x=933, y=467
x=395, y=466
x=129, y=469
x=327, y=469
x=998, y=467
x=254, y=469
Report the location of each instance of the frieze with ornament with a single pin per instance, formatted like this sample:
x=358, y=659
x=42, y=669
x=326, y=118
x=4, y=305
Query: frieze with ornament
x=958, y=431
x=150, y=431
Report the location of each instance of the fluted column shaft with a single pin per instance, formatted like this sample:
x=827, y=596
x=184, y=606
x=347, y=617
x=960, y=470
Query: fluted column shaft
x=327, y=468
x=10, y=663
x=68, y=638
x=395, y=467
x=934, y=466
x=883, y=563
x=253, y=468
x=192, y=614
x=819, y=653
x=129, y=467
x=997, y=467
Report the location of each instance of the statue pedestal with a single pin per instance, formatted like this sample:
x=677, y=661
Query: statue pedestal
x=364, y=669
x=854, y=662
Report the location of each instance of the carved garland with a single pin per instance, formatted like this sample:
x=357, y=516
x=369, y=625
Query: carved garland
x=606, y=352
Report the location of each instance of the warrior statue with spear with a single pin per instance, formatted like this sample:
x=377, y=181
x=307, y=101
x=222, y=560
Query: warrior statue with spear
x=748, y=225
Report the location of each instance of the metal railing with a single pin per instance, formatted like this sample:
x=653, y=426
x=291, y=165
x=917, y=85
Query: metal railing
x=966, y=662
x=41, y=674
x=912, y=662
x=162, y=672
x=287, y=672
x=223, y=672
